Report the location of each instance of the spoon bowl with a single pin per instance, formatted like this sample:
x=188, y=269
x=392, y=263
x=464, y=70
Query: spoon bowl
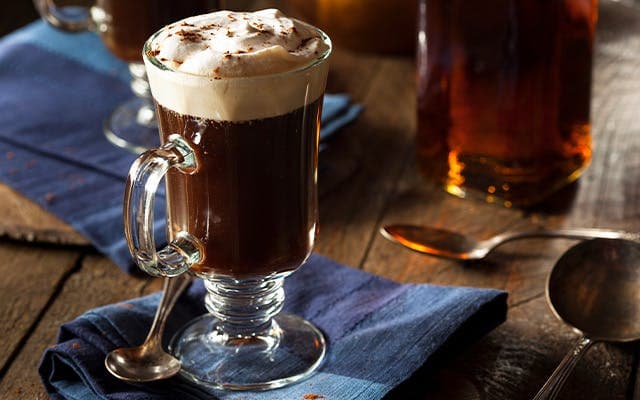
x=149, y=362
x=452, y=245
x=595, y=288
x=138, y=364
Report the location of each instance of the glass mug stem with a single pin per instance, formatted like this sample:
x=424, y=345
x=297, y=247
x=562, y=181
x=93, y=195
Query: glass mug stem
x=146, y=113
x=142, y=184
x=245, y=308
x=139, y=81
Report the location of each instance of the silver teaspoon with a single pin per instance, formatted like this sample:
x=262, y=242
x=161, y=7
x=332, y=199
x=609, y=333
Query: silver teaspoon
x=149, y=361
x=595, y=288
x=447, y=244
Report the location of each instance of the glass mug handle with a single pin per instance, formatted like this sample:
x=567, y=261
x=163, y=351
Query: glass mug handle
x=142, y=183
x=68, y=18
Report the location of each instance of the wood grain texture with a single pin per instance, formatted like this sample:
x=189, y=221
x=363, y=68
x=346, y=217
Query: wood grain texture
x=383, y=186
x=30, y=277
x=378, y=142
x=97, y=282
x=514, y=361
x=25, y=220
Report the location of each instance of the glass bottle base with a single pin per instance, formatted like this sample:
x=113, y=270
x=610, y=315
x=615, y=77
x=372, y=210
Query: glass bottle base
x=498, y=182
x=290, y=351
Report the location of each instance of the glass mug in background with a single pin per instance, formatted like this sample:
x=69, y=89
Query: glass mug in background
x=124, y=26
x=504, y=95
x=239, y=158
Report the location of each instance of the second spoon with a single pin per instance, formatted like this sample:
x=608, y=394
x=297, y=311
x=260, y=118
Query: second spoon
x=447, y=244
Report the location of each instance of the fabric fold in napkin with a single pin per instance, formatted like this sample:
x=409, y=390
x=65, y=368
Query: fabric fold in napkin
x=379, y=332
x=55, y=91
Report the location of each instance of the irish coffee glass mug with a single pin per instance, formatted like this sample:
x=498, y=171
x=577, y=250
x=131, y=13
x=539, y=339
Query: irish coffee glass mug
x=124, y=26
x=241, y=215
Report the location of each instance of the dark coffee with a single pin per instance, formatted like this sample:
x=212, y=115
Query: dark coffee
x=252, y=201
x=125, y=25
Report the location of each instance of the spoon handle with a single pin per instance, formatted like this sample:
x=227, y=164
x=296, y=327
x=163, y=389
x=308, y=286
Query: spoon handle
x=555, y=382
x=172, y=289
x=569, y=233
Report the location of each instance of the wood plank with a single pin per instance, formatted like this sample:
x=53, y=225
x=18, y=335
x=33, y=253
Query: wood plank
x=30, y=278
x=22, y=219
x=508, y=364
x=97, y=283
x=514, y=360
x=378, y=143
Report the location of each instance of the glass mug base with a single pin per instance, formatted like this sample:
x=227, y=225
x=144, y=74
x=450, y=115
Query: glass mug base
x=288, y=352
x=133, y=126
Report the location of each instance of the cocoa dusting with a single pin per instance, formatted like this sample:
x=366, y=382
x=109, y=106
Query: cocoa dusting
x=303, y=43
x=49, y=198
x=153, y=53
x=76, y=178
x=190, y=36
x=210, y=26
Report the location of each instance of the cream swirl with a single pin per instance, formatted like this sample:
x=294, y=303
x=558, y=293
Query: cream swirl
x=233, y=66
x=227, y=44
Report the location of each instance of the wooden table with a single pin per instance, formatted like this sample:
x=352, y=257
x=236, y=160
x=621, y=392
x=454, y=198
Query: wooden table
x=50, y=275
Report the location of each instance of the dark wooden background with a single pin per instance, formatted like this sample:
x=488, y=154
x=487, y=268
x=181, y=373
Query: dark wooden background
x=49, y=274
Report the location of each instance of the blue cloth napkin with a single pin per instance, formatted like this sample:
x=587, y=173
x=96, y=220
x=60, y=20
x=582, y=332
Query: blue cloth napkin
x=379, y=333
x=55, y=91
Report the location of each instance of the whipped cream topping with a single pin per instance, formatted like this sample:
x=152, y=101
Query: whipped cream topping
x=237, y=66
x=237, y=44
